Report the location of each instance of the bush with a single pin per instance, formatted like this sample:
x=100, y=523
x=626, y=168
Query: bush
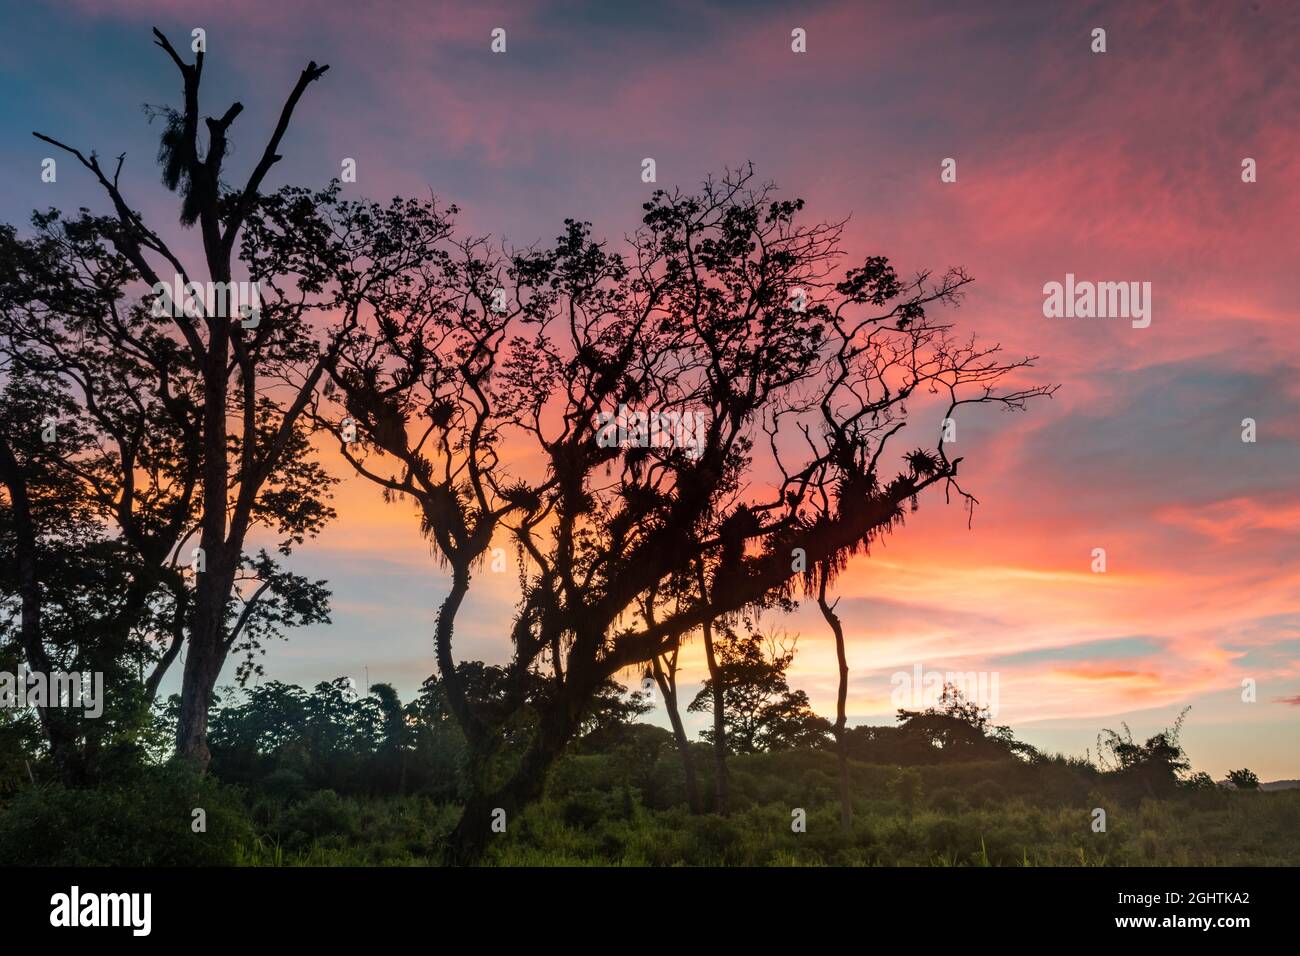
x=948, y=800
x=906, y=787
x=324, y=812
x=146, y=824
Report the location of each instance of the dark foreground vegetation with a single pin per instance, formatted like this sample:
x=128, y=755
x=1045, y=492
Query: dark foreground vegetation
x=328, y=778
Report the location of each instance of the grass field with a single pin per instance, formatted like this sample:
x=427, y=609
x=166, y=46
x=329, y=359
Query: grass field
x=997, y=814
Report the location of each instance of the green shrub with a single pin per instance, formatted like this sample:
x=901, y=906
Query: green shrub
x=148, y=823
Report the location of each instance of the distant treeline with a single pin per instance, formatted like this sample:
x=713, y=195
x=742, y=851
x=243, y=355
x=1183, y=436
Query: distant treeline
x=329, y=776
x=290, y=740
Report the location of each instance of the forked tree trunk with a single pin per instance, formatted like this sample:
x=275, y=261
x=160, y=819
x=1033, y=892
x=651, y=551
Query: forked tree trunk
x=667, y=681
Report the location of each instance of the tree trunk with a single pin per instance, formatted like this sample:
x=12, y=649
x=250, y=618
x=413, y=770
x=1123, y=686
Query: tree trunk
x=453, y=686
x=468, y=841
x=841, y=741
x=668, y=687
x=719, y=725
x=206, y=648
x=205, y=655
x=199, y=680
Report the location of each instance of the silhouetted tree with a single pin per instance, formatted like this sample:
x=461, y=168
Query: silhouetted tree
x=1154, y=766
x=718, y=684
x=1244, y=779
x=479, y=397
x=96, y=478
x=959, y=729
x=761, y=711
x=953, y=730
x=100, y=403
x=234, y=387
x=663, y=669
x=841, y=699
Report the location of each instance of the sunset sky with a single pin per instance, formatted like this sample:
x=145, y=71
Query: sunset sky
x=1122, y=166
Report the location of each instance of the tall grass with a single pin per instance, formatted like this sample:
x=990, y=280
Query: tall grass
x=967, y=815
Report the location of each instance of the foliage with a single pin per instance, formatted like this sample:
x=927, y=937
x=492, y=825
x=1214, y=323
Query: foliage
x=1244, y=779
x=1155, y=766
x=144, y=821
x=761, y=711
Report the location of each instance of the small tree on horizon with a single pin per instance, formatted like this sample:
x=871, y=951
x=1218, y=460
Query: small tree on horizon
x=1244, y=779
x=1156, y=765
x=761, y=711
